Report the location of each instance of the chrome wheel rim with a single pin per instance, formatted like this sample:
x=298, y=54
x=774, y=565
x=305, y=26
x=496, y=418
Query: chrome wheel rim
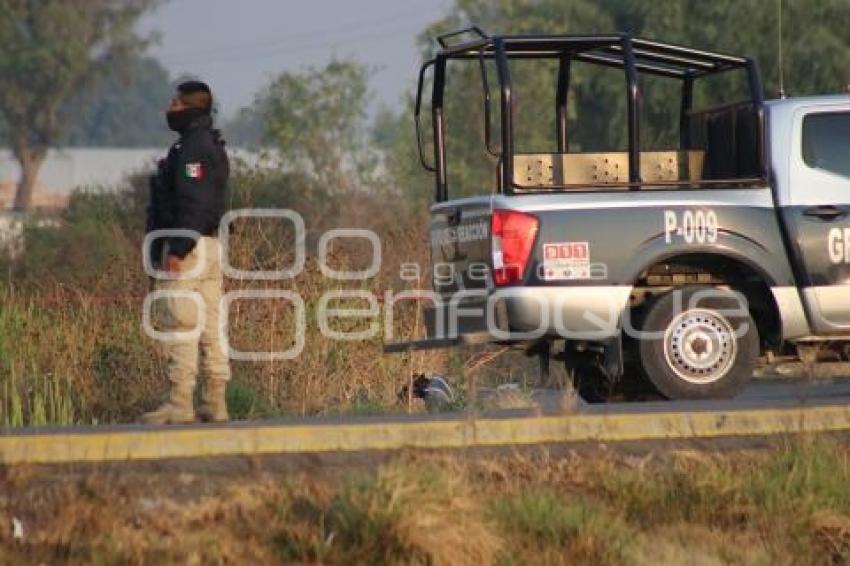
x=700, y=346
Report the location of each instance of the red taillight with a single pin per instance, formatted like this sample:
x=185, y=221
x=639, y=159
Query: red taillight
x=513, y=236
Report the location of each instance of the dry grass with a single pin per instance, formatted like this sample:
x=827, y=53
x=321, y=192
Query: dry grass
x=404, y=513
x=785, y=505
x=72, y=349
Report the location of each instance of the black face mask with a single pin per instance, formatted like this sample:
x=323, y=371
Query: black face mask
x=179, y=120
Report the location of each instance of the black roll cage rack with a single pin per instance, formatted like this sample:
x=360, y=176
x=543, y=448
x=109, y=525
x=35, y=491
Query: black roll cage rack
x=633, y=55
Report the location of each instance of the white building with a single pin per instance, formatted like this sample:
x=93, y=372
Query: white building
x=64, y=170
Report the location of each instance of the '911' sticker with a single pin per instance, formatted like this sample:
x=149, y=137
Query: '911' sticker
x=563, y=261
x=692, y=226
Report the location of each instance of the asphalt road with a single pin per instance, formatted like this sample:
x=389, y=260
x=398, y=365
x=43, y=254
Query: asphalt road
x=766, y=408
x=761, y=394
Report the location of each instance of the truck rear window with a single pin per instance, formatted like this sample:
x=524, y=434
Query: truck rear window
x=826, y=142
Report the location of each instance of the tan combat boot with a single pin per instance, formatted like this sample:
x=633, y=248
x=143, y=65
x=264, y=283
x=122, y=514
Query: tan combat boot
x=176, y=410
x=214, y=407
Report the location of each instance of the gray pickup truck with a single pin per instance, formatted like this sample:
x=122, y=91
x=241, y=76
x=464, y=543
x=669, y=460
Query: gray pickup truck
x=675, y=270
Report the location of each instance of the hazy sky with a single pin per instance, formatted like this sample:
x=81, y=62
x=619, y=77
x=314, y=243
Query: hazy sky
x=237, y=45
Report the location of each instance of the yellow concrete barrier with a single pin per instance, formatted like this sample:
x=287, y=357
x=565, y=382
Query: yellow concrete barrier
x=94, y=445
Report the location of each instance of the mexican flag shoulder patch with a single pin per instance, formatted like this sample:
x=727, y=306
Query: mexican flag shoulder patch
x=194, y=170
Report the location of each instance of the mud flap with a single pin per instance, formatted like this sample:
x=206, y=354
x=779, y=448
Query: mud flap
x=613, y=358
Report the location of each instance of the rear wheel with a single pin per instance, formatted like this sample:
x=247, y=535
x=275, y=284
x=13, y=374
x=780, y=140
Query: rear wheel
x=699, y=343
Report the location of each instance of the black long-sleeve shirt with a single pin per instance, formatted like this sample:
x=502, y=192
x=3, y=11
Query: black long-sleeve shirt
x=189, y=191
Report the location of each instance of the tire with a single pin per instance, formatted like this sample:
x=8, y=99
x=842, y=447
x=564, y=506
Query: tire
x=700, y=343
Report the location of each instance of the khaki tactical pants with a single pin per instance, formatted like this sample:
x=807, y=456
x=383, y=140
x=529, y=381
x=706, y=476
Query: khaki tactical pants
x=180, y=314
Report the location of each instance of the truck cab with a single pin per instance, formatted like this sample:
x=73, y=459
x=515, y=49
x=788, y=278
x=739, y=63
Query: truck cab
x=678, y=268
x=809, y=152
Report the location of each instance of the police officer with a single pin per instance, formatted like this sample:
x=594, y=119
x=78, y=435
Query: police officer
x=189, y=192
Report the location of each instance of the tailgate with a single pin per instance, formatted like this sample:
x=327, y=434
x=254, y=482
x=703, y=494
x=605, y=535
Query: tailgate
x=460, y=246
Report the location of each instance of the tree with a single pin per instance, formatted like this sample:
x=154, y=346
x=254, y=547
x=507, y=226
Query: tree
x=125, y=109
x=247, y=129
x=54, y=49
x=316, y=119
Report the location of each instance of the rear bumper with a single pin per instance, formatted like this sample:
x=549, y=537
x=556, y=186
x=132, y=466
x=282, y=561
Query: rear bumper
x=521, y=314
x=580, y=313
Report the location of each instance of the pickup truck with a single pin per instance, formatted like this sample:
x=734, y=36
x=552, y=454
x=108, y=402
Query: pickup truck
x=674, y=270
